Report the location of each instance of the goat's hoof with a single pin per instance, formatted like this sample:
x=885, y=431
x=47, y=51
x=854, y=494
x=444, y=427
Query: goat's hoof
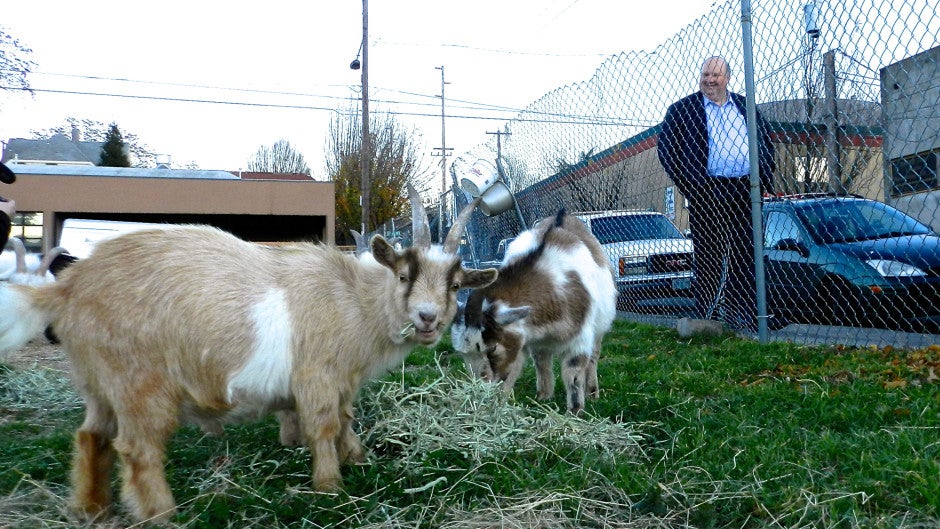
x=91, y=513
x=328, y=484
x=290, y=441
x=353, y=456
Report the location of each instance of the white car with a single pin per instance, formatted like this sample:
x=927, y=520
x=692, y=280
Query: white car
x=497, y=260
x=79, y=236
x=650, y=256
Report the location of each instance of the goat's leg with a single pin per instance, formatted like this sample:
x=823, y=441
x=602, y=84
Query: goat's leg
x=513, y=370
x=593, y=388
x=289, y=433
x=350, y=447
x=318, y=409
x=93, y=460
x=544, y=375
x=141, y=444
x=573, y=373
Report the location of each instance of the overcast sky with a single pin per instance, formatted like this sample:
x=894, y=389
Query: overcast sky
x=210, y=82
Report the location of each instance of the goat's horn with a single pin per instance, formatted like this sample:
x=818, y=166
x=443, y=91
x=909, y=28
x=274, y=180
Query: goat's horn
x=361, y=244
x=421, y=231
x=20, y=250
x=47, y=260
x=456, y=231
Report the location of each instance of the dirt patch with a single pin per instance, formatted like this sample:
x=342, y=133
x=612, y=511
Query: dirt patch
x=39, y=353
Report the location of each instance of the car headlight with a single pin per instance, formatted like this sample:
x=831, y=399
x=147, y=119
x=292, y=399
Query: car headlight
x=630, y=265
x=889, y=268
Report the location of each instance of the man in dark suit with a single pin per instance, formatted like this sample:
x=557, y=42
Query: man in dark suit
x=703, y=147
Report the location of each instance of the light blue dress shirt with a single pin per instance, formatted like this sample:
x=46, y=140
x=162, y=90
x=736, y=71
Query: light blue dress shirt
x=727, y=140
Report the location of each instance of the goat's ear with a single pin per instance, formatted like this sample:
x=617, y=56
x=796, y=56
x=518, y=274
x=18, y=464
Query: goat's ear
x=507, y=315
x=383, y=252
x=479, y=278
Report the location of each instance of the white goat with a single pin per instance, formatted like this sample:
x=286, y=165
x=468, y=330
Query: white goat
x=555, y=295
x=191, y=323
x=24, y=268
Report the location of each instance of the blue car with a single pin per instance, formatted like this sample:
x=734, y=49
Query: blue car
x=848, y=260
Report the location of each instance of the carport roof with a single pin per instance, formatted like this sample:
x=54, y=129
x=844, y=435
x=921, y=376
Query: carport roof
x=125, y=172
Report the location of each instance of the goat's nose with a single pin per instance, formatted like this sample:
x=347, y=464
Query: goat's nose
x=427, y=317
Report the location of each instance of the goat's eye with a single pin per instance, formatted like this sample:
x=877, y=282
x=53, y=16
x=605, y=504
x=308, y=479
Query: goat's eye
x=455, y=287
x=402, y=278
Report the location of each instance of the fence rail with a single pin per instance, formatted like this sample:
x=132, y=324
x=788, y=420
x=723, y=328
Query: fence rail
x=850, y=92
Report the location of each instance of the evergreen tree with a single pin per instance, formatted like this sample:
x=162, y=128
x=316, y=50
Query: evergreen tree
x=114, y=150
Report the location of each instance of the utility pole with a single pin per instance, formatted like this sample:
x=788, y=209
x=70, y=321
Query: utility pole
x=365, y=161
x=443, y=148
x=833, y=154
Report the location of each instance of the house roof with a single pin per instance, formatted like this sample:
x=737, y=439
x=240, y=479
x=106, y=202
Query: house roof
x=252, y=175
x=58, y=148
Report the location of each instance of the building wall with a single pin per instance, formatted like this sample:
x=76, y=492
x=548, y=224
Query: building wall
x=260, y=210
x=910, y=90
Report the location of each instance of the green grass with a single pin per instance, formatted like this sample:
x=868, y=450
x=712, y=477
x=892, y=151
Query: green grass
x=705, y=432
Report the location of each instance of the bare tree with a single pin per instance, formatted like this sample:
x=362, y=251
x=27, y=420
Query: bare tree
x=281, y=157
x=396, y=161
x=15, y=64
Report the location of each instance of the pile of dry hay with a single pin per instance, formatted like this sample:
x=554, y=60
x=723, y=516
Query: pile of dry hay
x=477, y=419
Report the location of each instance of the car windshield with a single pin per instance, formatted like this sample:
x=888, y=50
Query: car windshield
x=848, y=220
x=633, y=228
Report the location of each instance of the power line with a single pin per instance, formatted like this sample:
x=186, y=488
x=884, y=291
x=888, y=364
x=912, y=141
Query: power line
x=566, y=118
x=281, y=93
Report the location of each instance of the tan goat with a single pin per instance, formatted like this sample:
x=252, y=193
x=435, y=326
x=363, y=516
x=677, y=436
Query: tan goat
x=192, y=324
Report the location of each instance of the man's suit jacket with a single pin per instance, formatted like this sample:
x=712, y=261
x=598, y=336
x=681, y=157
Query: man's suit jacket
x=683, y=144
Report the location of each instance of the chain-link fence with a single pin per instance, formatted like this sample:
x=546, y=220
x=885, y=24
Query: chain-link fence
x=850, y=96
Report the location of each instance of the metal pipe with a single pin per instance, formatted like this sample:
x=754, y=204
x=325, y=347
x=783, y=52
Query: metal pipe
x=754, y=155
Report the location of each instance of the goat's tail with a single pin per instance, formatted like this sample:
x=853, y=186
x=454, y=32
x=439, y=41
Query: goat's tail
x=21, y=319
x=560, y=217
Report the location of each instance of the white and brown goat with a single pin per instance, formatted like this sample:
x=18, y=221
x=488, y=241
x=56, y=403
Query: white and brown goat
x=25, y=268
x=190, y=323
x=555, y=296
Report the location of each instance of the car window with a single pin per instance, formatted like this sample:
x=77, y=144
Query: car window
x=779, y=226
x=633, y=228
x=834, y=221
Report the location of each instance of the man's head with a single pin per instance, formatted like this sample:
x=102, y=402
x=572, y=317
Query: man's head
x=714, y=80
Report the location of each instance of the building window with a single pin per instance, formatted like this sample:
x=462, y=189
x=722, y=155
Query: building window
x=914, y=173
x=28, y=227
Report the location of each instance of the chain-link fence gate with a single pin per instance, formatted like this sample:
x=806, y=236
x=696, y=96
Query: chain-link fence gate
x=850, y=93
